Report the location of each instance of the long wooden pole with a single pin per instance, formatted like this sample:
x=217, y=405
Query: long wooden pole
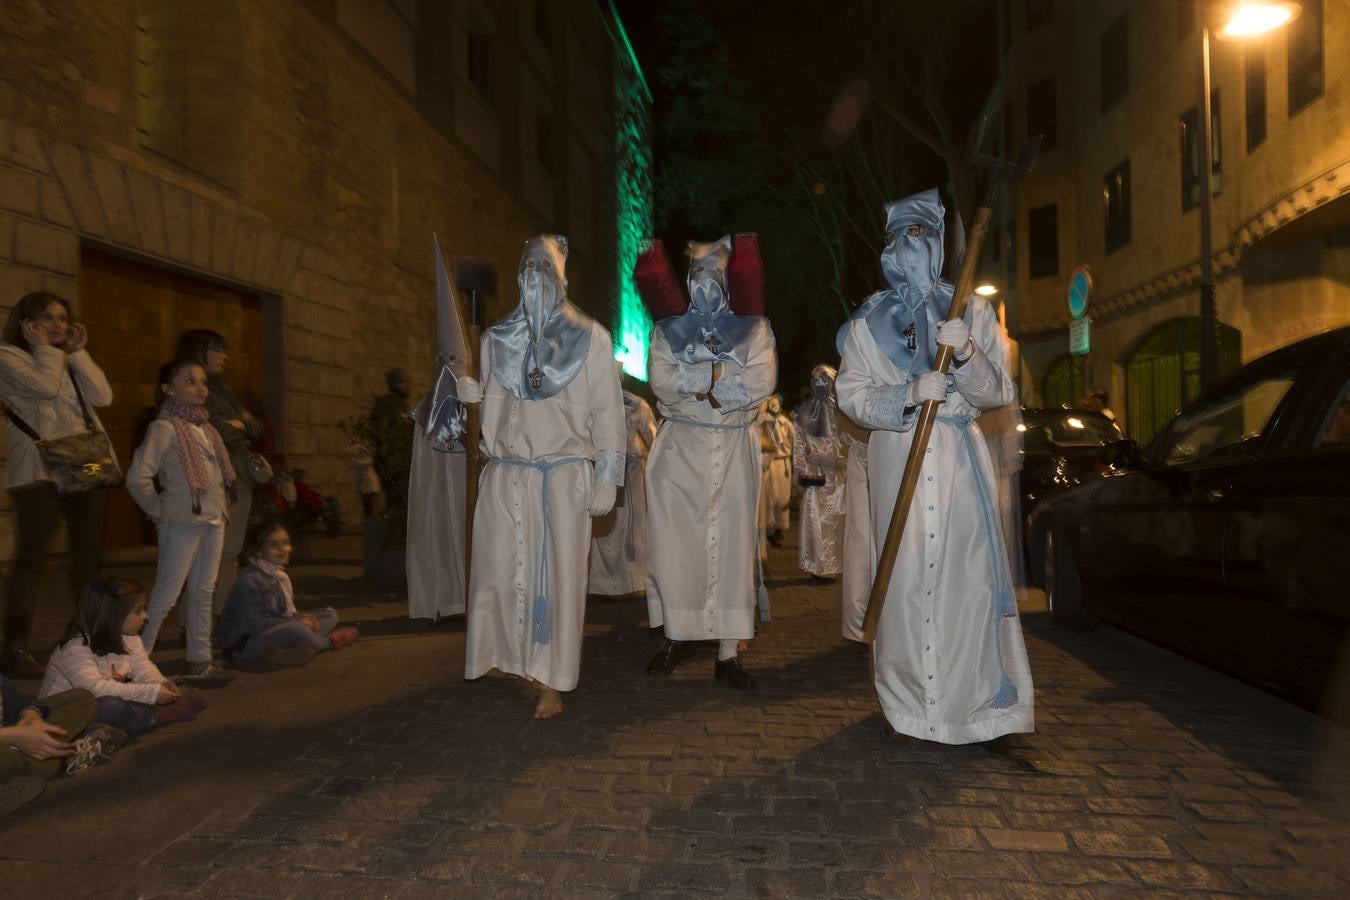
x=923, y=430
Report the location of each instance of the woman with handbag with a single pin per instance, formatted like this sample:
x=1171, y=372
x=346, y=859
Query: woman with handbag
x=50, y=386
x=238, y=428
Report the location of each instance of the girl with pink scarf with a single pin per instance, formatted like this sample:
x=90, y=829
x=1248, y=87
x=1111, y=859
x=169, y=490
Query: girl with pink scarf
x=190, y=507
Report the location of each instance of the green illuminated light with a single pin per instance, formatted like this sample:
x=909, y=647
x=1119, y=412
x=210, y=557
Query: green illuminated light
x=633, y=199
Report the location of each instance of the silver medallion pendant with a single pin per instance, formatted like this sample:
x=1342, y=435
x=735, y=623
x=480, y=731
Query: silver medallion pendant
x=536, y=378
x=712, y=343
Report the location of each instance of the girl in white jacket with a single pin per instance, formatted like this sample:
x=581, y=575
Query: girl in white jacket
x=189, y=506
x=102, y=653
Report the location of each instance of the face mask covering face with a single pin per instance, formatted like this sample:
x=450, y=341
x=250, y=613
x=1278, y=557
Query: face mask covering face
x=539, y=278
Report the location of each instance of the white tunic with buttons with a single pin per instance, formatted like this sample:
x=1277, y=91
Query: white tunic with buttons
x=703, y=495
x=585, y=420
x=941, y=650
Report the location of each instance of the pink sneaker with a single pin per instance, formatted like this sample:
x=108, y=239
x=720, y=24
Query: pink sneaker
x=185, y=707
x=342, y=637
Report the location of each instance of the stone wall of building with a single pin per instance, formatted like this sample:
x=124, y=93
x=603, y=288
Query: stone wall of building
x=280, y=148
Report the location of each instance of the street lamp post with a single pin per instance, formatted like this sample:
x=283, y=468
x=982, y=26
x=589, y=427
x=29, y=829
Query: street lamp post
x=1248, y=19
x=1209, y=304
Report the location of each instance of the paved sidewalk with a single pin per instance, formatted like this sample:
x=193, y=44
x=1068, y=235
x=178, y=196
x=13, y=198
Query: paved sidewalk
x=1147, y=774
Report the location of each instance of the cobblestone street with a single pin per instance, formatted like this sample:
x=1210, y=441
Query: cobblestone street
x=1147, y=773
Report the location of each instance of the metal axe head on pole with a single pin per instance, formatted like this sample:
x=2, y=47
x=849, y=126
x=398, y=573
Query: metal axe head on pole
x=1000, y=168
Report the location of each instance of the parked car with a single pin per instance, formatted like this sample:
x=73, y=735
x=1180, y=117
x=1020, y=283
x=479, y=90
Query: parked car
x=1228, y=537
x=1060, y=447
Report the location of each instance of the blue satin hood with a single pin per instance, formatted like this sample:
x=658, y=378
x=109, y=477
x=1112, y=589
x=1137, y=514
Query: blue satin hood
x=542, y=344
x=709, y=331
x=904, y=319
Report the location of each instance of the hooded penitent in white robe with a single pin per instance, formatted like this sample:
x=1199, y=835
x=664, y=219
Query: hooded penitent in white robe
x=819, y=463
x=437, y=480
x=619, y=539
x=436, y=530
x=949, y=663
x=548, y=441
x=703, y=489
x=776, y=462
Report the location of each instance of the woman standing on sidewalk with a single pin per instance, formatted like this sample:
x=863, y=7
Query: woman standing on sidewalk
x=46, y=377
x=238, y=428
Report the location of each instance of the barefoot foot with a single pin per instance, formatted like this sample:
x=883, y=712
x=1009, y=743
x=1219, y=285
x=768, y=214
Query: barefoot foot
x=550, y=703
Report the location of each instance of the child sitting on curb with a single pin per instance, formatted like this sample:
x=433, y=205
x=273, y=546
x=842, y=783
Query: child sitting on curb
x=103, y=654
x=260, y=622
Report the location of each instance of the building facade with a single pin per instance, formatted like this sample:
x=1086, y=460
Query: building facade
x=275, y=171
x=1115, y=86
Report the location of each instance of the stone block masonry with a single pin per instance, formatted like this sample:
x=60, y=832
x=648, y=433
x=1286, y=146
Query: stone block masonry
x=312, y=181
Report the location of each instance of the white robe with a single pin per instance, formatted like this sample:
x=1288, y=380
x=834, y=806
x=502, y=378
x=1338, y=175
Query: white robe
x=436, y=530
x=858, y=549
x=942, y=650
x=777, y=465
x=702, y=496
x=582, y=421
x=619, y=540
x=820, y=548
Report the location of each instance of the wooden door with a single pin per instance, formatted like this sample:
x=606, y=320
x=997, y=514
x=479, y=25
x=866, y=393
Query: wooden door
x=135, y=313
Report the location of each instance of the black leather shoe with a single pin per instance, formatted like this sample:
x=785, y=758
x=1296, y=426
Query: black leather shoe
x=17, y=662
x=730, y=671
x=671, y=654
x=776, y=538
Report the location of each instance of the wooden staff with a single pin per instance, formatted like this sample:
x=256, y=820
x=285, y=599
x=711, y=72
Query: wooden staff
x=923, y=430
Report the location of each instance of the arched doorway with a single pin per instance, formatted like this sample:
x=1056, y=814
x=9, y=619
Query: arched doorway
x=1163, y=373
x=1063, y=382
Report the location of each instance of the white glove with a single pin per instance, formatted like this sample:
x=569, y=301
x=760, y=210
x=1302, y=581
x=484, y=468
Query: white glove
x=928, y=386
x=602, y=499
x=956, y=334
x=469, y=390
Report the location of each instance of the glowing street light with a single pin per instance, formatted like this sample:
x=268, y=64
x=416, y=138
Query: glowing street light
x=986, y=290
x=1251, y=19
x=1248, y=18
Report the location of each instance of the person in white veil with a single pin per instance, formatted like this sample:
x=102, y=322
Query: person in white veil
x=619, y=538
x=437, y=516
x=949, y=661
x=819, y=464
x=436, y=513
x=710, y=367
x=553, y=433
x=776, y=490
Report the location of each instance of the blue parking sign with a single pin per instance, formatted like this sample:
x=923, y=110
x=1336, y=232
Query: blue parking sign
x=1080, y=292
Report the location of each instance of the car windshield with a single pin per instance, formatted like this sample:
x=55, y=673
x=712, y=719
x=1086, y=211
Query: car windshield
x=1069, y=428
x=1227, y=425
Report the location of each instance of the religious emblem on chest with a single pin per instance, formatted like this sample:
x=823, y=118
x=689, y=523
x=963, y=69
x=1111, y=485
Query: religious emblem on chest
x=536, y=378
x=909, y=333
x=712, y=343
